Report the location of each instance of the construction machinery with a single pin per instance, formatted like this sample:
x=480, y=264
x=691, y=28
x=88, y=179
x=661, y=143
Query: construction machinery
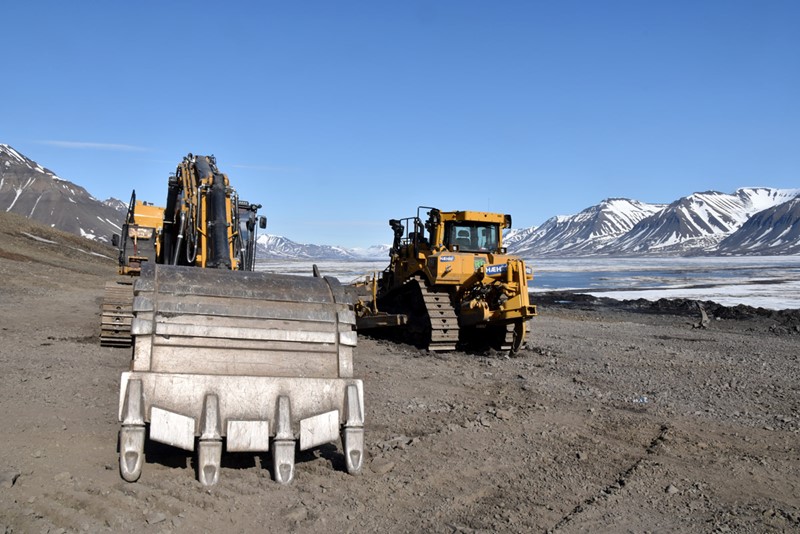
x=139, y=242
x=144, y=239
x=227, y=358
x=450, y=280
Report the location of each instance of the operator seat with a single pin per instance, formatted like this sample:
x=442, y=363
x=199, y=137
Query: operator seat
x=462, y=239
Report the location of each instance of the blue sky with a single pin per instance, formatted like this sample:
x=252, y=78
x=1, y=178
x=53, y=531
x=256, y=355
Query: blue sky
x=339, y=115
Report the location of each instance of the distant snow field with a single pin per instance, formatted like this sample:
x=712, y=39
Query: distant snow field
x=771, y=282
x=346, y=271
x=781, y=296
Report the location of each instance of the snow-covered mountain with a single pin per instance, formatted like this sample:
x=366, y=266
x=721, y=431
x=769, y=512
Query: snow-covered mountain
x=30, y=190
x=117, y=204
x=272, y=246
x=515, y=236
x=775, y=230
x=695, y=224
x=754, y=220
x=698, y=222
x=581, y=234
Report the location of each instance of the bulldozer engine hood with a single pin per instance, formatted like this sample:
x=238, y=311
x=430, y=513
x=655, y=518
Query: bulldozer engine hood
x=449, y=267
x=501, y=268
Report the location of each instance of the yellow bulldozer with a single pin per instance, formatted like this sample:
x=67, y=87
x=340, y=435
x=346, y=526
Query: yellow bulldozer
x=225, y=357
x=450, y=281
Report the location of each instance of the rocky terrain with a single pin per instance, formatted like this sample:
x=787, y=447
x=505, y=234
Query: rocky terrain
x=617, y=417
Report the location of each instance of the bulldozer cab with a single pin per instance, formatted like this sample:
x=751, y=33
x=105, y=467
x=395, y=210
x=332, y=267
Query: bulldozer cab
x=455, y=231
x=468, y=231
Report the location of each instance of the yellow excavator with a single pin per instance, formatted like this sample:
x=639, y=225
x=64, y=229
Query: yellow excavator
x=450, y=281
x=139, y=242
x=225, y=357
x=148, y=236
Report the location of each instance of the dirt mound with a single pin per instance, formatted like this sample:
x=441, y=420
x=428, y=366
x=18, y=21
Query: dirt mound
x=24, y=240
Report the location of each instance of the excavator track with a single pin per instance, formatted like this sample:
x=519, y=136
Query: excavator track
x=443, y=319
x=117, y=314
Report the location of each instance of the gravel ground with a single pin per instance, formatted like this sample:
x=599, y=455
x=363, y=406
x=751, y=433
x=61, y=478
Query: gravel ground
x=621, y=417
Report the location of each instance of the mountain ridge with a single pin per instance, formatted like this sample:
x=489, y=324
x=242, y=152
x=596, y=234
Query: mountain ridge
x=751, y=220
x=775, y=228
x=275, y=247
x=37, y=193
x=585, y=232
x=698, y=222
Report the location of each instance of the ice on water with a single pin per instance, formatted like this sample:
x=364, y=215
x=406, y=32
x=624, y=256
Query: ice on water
x=765, y=281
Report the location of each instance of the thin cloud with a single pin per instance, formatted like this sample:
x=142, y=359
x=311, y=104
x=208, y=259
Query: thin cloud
x=80, y=145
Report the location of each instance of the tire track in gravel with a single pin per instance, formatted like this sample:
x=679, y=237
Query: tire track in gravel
x=619, y=482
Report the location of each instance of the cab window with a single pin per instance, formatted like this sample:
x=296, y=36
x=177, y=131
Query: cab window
x=472, y=237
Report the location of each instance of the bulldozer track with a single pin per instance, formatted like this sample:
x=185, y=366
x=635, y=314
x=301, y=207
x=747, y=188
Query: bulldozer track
x=508, y=338
x=443, y=319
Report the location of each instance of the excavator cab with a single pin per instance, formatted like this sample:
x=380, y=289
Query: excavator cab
x=140, y=238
